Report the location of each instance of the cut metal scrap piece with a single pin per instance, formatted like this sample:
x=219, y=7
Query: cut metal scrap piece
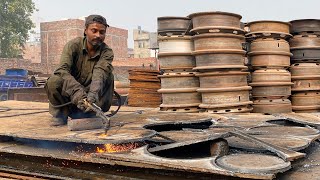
x=252, y=163
x=285, y=154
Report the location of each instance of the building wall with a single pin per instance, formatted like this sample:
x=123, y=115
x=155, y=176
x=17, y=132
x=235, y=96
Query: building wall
x=54, y=35
x=141, y=43
x=32, y=51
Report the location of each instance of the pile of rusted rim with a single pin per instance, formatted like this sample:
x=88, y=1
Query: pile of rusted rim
x=269, y=57
x=178, y=81
x=144, y=84
x=219, y=55
x=305, y=68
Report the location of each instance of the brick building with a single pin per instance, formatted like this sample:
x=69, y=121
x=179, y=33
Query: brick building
x=54, y=35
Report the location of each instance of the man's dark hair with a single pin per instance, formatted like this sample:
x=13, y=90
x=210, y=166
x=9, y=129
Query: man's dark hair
x=96, y=19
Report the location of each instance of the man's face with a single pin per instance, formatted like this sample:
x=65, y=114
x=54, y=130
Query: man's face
x=96, y=34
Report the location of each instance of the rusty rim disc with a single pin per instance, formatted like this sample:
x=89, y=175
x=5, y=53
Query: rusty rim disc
x=252, y=163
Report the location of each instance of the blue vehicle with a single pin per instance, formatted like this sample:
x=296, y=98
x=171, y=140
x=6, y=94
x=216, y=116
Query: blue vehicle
x=14, y=78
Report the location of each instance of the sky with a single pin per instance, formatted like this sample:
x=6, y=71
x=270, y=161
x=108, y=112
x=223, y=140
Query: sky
x=129, y=14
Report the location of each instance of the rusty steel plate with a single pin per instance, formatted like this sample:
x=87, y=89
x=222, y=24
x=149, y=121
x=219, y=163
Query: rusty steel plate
x=287, y=142
x=182, y=97
x=269, y=59
x=305, y=55
x=268, y=44
x=271, y=75
x=220, y=68
x=176, y=61
x=223, y=20
x=271, y=106
x=236, y=109
x=305, y=71
x=224, y=97
x=304, y=41
x=269, y=26
x=273, y=35
x=271, y=89
x=222, y=41
x=219, y=58
x=253, y=163
x=305, y=25
x=223, y=79
x=174, y=25
x=170, y=81
x=115, y=136
x=175, y=44
x=306, y=85
x=285, y=131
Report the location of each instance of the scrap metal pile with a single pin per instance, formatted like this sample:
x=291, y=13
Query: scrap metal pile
x=207, y=58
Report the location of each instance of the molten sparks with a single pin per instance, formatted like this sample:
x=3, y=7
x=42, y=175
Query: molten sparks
x=111, y=148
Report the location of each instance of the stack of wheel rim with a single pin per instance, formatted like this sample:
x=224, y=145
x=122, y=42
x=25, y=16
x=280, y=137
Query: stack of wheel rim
x=269, y=58
x=178, y=81
x=219, y=56
x=305, y=68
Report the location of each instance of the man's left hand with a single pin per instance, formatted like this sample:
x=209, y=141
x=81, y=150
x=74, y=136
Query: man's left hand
x=92, y=97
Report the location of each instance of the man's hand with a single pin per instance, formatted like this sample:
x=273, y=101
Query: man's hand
x=81, y=105
x=92, y=97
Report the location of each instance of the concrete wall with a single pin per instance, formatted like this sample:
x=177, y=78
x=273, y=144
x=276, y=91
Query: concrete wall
x=141, y=43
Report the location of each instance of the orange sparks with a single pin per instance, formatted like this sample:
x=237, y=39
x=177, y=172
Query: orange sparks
x=111, y=148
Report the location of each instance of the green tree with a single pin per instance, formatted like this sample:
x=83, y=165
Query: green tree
x=15, y=23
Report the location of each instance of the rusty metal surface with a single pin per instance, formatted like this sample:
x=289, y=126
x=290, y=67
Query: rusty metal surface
x=175, y=44
x=270, y=75
x=269, y=26
x=306, y=101
x=222, y=79
x=222, y=41
x=217, y=58
x=271, y=90
x=271, y=106
x=304, y=41
x=306, y=85
x=260, y=35
x=305, y=25
x=215, y=20
x=269, y=44
x=285, y=131
x=292, y=143
x=305, y=55
x=176, y=61
x=311, y=119
x=171, y=81
x=305, y=71
x=224, y=97
x=187, y=97
x=175, y=25
x=253, y=163
x=236, y=109
x=34, y=94
x=143, y=88
x=269, y=59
